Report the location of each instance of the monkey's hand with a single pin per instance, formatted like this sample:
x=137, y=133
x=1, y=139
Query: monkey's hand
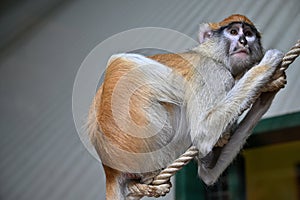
x=278, y=81
x=264, y=74
x=272, y=57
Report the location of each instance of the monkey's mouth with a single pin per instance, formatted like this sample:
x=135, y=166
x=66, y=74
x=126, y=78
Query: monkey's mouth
x=241, y=52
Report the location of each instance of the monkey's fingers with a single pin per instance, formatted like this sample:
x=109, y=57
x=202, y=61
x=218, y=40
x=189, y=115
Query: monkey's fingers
x=279, y=72
x=276, y=84
x=223, y=140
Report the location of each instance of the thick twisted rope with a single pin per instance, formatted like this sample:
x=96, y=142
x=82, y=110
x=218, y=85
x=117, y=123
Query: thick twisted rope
x=165, y=175
x=291, y=55
x=160, y=185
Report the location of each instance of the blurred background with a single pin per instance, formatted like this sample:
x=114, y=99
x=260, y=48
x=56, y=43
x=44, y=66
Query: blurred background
x=44, y=42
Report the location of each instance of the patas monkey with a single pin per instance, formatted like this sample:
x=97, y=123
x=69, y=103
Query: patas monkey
x=149, y=110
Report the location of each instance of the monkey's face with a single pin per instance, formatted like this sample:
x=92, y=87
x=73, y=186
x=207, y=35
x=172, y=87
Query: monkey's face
x=244, y=46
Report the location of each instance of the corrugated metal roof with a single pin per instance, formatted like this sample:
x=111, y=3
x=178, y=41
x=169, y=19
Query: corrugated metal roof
x=41, y=154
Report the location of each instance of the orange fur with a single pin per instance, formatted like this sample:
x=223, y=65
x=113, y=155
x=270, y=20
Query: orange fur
x=110, y=129
x=102, y=105
x=230, y=19
x=180, y=63
x=112, y=176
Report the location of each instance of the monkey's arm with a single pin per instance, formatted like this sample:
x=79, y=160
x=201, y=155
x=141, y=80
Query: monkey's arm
x=212, y=123
x=218, y=159
x=237, y=140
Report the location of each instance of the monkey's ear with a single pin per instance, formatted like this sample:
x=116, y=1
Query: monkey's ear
x=205, y=32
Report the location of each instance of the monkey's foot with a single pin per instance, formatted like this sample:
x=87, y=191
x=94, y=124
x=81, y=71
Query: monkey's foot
x=140, y=189
x=223, y=140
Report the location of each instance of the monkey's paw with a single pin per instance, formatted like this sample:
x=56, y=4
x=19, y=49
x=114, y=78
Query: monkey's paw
x=272, y=57
x=275, y=84
x=269, y=66
x=141, y=189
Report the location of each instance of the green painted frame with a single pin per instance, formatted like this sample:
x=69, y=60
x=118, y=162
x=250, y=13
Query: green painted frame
x=189, y=187
x=278, y=123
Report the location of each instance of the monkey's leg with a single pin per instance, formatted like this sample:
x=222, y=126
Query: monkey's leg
x=237, y=140
x=114, y=185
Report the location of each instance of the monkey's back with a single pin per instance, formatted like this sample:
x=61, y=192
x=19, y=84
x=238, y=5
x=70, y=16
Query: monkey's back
x=139, y=107
x=128, y=110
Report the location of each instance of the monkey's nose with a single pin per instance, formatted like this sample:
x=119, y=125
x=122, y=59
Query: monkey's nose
x=243, y=41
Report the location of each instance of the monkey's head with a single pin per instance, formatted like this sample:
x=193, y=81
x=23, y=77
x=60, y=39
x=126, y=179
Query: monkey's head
x=235, y=40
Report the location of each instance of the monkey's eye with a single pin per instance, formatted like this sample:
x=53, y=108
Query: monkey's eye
x=248, y=34
x=233, y=32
